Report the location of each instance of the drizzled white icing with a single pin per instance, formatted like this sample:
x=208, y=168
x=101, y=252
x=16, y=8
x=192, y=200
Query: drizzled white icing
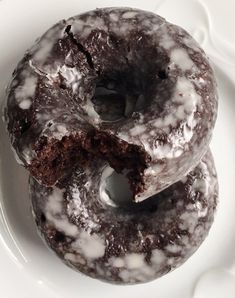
x=186, y=101
x=133, y=267
x=203, y=185
x=76, y=25
x=52, y=129
x=91, y=246
x=60, y=131
x=191, y=43
x=114, y=17
x=93, y=116
x=25, y=92
x=42, y=49
x=53, y=213
x=158, y=257
x=72, y=76
x=129, y=14
x=180, y=57
x=134, y=260
x=116, y=262
x=85, y=28
x=190, y=220
x=76, y=208
x=74, y=205
x=173, y=248
x=74, y=258
x=25, y=104
x=138, y=129
x=166, y=41
x=202, y=210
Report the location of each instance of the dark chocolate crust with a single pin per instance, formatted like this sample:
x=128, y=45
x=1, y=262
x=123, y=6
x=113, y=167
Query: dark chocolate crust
x=131, y=243
x=118, y=84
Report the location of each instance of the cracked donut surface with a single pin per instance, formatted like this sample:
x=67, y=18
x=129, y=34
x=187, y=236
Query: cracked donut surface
x=117, y=84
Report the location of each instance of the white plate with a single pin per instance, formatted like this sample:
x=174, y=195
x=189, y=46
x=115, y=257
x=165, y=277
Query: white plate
x=27, y=267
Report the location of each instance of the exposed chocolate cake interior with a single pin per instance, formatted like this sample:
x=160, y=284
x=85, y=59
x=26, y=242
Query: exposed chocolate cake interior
x=59, y=157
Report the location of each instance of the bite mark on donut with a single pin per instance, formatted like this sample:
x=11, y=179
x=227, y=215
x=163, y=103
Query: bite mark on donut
x=58, y=158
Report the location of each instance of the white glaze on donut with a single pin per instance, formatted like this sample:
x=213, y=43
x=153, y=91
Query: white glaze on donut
x=181, y=58
x=72, y=76
x=43, y=47
x=25, y=92
x=90, y=246
x=53, y=210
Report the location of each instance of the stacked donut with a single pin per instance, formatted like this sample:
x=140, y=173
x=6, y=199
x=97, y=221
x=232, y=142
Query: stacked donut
x=117, y=92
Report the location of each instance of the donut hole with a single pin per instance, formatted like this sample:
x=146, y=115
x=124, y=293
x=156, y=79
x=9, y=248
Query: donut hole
x=116, y=98
x=132, y=81
x=108, y=102
x=115, y=189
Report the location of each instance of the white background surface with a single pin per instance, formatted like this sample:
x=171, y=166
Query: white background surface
x=27, y=267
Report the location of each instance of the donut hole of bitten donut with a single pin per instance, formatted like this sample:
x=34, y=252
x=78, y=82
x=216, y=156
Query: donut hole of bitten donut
x=132, y=82
x=108, y=102
x=115, y=98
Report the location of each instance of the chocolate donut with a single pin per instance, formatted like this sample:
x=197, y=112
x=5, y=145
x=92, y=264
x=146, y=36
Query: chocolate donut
x=117, y=84
x=125, y=243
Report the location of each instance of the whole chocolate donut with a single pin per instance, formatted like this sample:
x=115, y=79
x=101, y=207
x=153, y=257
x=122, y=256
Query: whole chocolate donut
x=119, y=84
x=130, y=243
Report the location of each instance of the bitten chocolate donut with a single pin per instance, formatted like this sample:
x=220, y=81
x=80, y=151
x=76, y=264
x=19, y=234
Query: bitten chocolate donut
x=119, y=84
x=130, y=243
